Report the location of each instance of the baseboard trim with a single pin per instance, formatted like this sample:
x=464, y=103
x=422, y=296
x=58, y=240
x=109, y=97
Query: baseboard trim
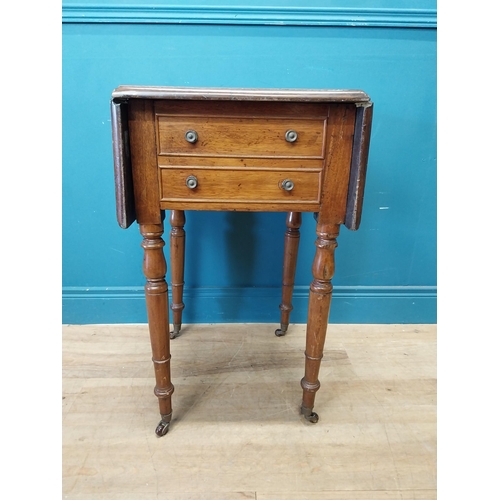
x=384, y=305
x=251, y=15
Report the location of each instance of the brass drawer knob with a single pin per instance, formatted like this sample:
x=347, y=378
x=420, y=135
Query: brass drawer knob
x=191, y=136
x=191, y=182
x=287, y=185
x=291, y=135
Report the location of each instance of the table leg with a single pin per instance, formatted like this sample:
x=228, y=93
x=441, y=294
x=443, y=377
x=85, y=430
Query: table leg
x=320, y=295
x=292, y=237
x=155, y=267
x=177, y=251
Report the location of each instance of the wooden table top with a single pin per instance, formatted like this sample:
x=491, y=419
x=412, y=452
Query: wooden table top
x=124, y=92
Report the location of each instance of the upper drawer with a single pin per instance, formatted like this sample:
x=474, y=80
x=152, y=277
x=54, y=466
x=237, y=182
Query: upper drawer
x=241, y=136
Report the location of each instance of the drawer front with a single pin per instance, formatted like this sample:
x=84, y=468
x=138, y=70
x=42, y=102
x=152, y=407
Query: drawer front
x=239, y=186
x=236, y=137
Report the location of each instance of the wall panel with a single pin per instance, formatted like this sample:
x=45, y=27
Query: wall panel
x=386, y=271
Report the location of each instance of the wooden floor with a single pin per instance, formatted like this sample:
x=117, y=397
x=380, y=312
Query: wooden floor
x=236, y=431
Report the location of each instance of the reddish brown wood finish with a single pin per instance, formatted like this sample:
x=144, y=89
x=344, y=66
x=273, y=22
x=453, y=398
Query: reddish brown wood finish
x=124, y=190
x=144, y=162
x=239, y=94
x=177, y=250
x=317, y=317
x=239, y=186
x=337, y=164
x=292, y=238
x=359, y=162
x=222, y=136
x=240, y=162
x=155, y=268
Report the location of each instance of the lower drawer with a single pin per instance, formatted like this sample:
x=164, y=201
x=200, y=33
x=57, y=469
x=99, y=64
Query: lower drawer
x=245, y=186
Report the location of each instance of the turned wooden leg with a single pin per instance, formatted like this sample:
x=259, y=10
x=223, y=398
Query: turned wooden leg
x=292, y=237
x=155, y=267
x=317, y=319
x=177, y=245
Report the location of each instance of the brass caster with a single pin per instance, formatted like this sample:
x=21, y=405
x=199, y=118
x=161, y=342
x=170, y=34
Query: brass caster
x=309, y=415
x=176, y=332
x=280, y=332
x=163, y=426
x=313, y=418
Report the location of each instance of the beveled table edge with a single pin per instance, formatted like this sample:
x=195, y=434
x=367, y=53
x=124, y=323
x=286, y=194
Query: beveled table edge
x=124, y=92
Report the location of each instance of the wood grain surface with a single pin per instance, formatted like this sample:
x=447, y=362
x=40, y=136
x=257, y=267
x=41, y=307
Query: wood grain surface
x=241, y=137
x=238, y=432
x=241, y=94
x=237, y=126
x=244, y=186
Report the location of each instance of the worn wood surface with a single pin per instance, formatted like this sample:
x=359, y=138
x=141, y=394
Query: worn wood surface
x=233, y=185
x=359, y=164
x=124, y=189
x=236, y=137
x=241, y=94
x=144, y=164
x=273, y=163
x=200, y=126
x=241, y=156
x=177, y=254
x=238, y=433
x=292, y=239
x=155, y=267
x=250, y=140
x=340, y=132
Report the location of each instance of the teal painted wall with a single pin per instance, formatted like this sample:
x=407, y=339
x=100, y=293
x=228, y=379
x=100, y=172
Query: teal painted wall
x=386, y=271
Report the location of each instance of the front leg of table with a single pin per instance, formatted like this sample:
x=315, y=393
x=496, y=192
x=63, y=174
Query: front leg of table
x=320, y=295
x=292, y=237
x=154, y=267
x=177, y=251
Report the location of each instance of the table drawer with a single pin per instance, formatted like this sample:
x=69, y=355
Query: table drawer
x=237, y=136
x=239, y=186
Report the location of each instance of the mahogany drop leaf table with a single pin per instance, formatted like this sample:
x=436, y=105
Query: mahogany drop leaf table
x=267, y=150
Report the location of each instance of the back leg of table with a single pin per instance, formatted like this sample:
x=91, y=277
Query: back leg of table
x=177, y=251
x=292, y=237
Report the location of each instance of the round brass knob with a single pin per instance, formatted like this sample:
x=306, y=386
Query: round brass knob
x=287, y=185
x=291, y=135
x=191, y=182
x=191, y=136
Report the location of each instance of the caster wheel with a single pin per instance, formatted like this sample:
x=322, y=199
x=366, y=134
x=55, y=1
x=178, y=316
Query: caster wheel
x=309, y=415
x=162, y=428
x=175, y=332
x=281, y=330
x=313, y=418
